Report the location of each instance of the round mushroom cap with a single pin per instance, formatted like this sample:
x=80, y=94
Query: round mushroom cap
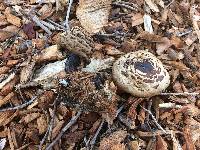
x=141, y=74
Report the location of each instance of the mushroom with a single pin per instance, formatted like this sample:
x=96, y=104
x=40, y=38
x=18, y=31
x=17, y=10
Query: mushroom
x=141, y=74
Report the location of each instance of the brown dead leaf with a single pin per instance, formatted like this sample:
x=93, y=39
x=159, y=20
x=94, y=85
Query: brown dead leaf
x=46, y=11
x=113, y=141
x=6, y=99
x=46, y=99
x=165, y=115
x=8, y=32
x=174, y=55
x=177, y=42
x=188, y=139
x=149, y=37
x=33, y=135
x=57, y=128
x=194, y=128
x=4, y=116
x=26, y=72
x=132, y=113
x=10, y=118
x=39, y=43
x=74, y=137
x=2, y=6
x=5, y=35
x=9, y=86
x=129, y=46
x=164, y=15
x=152, y=5
x=142, y=114
x=14, y=138
x=30, y=117
x=137, y=19
x=11, y=63
x=48, y=54
x=12, y=147
x=4, y=69
x=111, y=50
x=3, y=20
x=192, y=110
x=134, y=145
x=178, y=118
x=177, y=87
x=163, y=45
x=42, y=124
x=93, y=14
x=179, y=65
x=13, y=20
x=95, y=126
x=28, y=30
x=191, y=38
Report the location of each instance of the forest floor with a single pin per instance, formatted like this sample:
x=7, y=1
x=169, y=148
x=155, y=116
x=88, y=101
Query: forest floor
x=56, y=85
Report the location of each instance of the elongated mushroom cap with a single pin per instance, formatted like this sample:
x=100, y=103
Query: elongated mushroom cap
x=141, y=74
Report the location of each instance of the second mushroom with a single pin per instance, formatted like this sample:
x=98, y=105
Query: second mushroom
x=141, y=74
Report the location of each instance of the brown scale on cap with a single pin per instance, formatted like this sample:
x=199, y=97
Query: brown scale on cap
x=141, y=74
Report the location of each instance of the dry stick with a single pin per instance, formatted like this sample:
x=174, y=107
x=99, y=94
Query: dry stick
x=19, y=106
x=148, y=108
x=126, y=5
x=50, y=125
x=119, y=110
x=184, y=33
x=49, y=25
x=56, y=24
x=67, y=16
x=158, y=125
x=92, y=142
x=38, y=22
x=181, y=94
x=72, y=121
x=170, y=3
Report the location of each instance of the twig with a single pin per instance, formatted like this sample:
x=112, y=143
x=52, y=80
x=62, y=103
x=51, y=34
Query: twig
x=170, y=3
x=184, y=33
x=19, y=106
x=148, y=108
x=50, y=125
x=126, y=121
x=181, y=94
x=158, y=125
x=92, y=142
x=170, y=105
x=20, y=93
x=67, y=16
x=56, y=24
x=155, y=133
x=72, y=121
x=38, y=22
x=49, y=25
x=126, y=5
x=119, y=110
